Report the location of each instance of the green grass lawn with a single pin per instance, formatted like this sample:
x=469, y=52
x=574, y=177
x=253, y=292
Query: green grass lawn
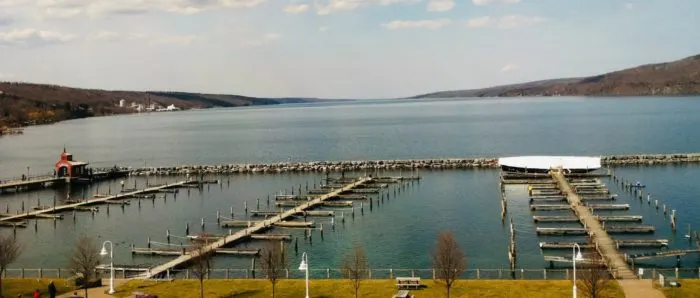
x=25, y=287
x=343, y=288
x=690, y=288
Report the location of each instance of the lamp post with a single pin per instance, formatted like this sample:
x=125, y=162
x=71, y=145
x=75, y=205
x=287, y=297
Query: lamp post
x=305, y=266
x=103, y=253
x=575, y=257
x=27, y=173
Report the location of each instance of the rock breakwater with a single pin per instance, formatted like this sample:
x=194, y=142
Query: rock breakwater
x=390, y=165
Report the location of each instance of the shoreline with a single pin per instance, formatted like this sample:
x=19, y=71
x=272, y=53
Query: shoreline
x=392, y=165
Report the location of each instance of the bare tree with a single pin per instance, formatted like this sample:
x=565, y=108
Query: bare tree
x=9, y=251
x=201, y=265
x=355, y=266
x=273, y=260
x=593, y=281
x=84, y=260
x=449, y=261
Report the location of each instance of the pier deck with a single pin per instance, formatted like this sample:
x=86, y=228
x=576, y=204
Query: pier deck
x=35, y=182
x=607, y=247
x=256, y=228
x=81, y=205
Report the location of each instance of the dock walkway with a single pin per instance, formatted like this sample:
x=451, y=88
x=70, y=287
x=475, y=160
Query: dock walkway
x=70, y=207
x=257, y=227
x=606, y=246
x=32, y=182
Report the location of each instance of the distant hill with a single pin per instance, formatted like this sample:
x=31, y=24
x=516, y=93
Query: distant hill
x=26, y=103
x=681, y=77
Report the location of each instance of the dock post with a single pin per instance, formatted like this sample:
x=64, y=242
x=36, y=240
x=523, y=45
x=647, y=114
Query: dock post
x=202, y=224
x=38, y=201
x=258, y=204
x=187, y=229
x=353, y=212
x=218, y=217
x=656, y=202
x=333, y=223
x=245, y=207
x=664, y=209
x=22, y=206
x=268, y=200
x=342, y=217
x=362, y=208
x=149, y=242
x=36, y=224
x=370, y=204
x=7, y=208
x=231, y=210
x=167, y=235
x=321, y=229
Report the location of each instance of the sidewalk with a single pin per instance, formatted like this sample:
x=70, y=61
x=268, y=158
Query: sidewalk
x=95, y=292
x=639, y=288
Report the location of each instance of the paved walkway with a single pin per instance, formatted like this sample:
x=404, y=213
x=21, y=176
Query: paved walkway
x=640, y=288
x=96, y=292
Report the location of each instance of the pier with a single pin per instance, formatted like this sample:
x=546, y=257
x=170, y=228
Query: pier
x=87, y=204
x=255, y=228
x=605, y=245
x=621, y=218
x=619, y=243
x=27, y=184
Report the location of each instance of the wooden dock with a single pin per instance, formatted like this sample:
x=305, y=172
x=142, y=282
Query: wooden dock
x=663, y=254
x=583, y=231
x=256, y=228
x=606, y=246
x=622, y=218
x=619, y=243
x=184, y=251
x=34, y=183
x=87, y=204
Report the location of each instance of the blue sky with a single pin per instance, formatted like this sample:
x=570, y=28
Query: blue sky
x=334, y=48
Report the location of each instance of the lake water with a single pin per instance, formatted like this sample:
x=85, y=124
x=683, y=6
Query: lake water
x=398, y=233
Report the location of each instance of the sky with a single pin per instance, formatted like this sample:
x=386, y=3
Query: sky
x=334, y=48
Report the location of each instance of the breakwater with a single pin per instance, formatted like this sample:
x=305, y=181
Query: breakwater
x=391, y=165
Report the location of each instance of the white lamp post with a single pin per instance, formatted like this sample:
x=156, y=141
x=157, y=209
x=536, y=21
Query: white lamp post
x=576, y=257
x=103, y=253
x=305, y=266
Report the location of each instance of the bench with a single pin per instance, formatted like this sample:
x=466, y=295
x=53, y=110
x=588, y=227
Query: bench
x=408, y=282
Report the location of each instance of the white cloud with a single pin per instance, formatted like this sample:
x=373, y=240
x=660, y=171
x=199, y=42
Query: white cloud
x=264, y=40
x=517, y=21
x=176, y=39
x=487, y=2
x=479, y=22
x=96, y=8
x=505, y=22
x=323, y=29
x=333, y=6
x=33, y=37
x=440, y=5
x=296, y=8
x=509, y=67
x=629, y=5
x=111, y=36
x=419, y=24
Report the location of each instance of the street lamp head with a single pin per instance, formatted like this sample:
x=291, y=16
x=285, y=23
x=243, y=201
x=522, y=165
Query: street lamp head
x=579, y=256
x=103, y=251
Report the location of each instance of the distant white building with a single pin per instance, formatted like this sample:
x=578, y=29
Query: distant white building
x=172, y=107
x=122, y=103
x=134, y=105
x=140, y=108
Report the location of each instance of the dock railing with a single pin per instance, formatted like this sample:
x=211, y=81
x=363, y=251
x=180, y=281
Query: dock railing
x=334, y=273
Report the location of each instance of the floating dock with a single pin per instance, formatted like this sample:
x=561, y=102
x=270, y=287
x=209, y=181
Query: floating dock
x=86, y=205
x=622, y=218
x=317, y=213
x=663, y=254
x=254, y=229
x=606, y=246
x=619, y=243
x=183, y=251
x=554, y=207
x=582, y=231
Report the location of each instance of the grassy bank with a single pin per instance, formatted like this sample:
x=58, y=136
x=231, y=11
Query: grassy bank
x=342, y=288
x=690, y=288
x=25, y=287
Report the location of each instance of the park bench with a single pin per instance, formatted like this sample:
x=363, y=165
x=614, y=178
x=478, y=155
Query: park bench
x=408, y=282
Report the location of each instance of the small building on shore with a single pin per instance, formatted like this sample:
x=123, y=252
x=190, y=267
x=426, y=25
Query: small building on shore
x=67, y=167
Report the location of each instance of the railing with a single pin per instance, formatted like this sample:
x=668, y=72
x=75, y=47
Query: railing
x=330, y=273
x=30, y=178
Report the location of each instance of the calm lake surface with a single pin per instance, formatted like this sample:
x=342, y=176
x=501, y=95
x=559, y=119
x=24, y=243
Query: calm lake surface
x=397, y=233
